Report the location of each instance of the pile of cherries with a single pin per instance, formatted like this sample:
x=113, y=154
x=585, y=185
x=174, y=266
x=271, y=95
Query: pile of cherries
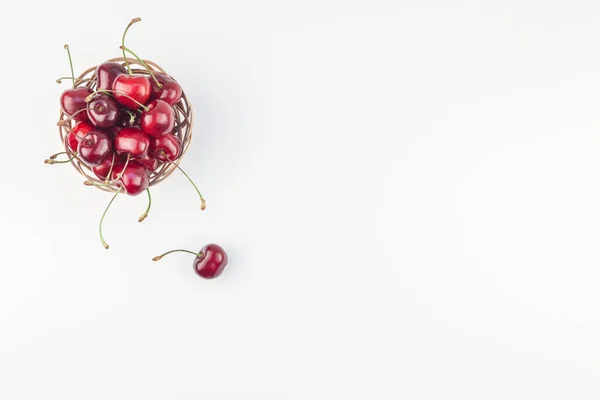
x=123, y=129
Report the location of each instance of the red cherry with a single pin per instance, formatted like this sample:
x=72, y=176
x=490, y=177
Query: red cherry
x=150, y=162
x=103, y=111
x=170, y=91
x=95, y=147
x=106, y=74
x=209, y=262
x=135, y=86
x=158, y=119
x=77, y=134
x=73, y=100
x=135, y=178
x=132, y=141
x=166, y=148
x=101, y=170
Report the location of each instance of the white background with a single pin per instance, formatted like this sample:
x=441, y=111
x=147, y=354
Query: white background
x=408, y=192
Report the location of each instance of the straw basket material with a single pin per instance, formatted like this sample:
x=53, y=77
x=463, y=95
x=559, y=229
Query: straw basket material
x=183, y=125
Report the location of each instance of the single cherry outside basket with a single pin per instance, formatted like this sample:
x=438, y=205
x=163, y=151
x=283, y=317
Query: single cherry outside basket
x=183, y=126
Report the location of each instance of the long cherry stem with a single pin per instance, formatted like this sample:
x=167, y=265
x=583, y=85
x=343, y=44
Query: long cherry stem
x=107, y=91
x=126, y=49
x=59, y=80
x=203, y=202
x=112, y=164
x=52, y=158
x=145, y=214
x=133, y=21
x=103, y=215
x=70, y=117
x=181, y=250
x=71, y=64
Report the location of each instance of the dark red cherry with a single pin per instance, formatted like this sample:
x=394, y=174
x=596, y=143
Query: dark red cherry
x=101, y=170
x=135, y=86
x=132, y=141
x=170, y=91
x=135, y=179
x=106, y=74
x=150, y=162
x=95, y=147
x=73, y=100
x=77, y=134
x=159, y=119
x=103, y=111
x=166, y=148
x=211, y=261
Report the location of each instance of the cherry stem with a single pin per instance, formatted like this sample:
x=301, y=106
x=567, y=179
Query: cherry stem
x=133, y=21
x=104, y=214
x=145, y=214
x=79, y=80
x=52, y=158
x=203, y=202
x=62, y=122
x=107, y=91
x=92, y=183
x=71, y=64
x=112, y=164
x=201, y=255
x=126, y=49
x=131, y=116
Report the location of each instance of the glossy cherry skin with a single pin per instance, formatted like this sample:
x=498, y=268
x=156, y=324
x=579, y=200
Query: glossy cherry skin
x=166, y=148
x=73, y=100
x=135, y=179
x=95, y=147
x=212, y=262
x=170, y=91
x=148, y=161
x=132, y=141
x=159, y=119
x=103, y=111
x=106, y=74
x=77, y=134
x=135, y=86
x=101, y=170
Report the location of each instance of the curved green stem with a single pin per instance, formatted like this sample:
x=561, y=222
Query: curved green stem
x=203, y=202
x=63, y=122
x=133, y=21
x=71, y=64
x=131, y=116
x=51, y=159
x=145, y=214
x=59, y=80
x=108, y=91
x=112, y=164
x=53, y=156
x=103, y=215
x=173, y=251
x=125, y=49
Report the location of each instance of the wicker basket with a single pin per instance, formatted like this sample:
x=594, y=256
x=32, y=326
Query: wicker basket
x=183, y=126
